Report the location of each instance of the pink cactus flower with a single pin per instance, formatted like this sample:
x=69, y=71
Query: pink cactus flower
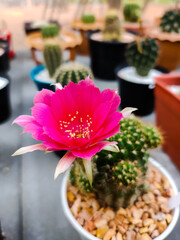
x=76, y=118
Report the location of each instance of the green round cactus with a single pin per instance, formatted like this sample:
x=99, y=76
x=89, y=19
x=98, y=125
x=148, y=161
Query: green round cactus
x=72, y=72
x=112, y=28
x=132, y=12
x=125, y=173
x=52, y=54
x=170, y=21
x=142, y=55
x=50, y=31
x=119, y=177
x=88, y=18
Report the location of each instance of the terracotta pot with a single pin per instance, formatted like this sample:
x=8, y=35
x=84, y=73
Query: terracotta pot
x=169, y=48
x=169, y=54
x=84, y=235
x=167, y=108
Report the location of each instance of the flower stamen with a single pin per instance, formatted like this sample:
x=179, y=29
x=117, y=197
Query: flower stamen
x=77, y=127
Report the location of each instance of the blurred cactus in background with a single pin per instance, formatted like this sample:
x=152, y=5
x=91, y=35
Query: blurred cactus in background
x=132, y=12
x=142, y=55
x=112, y=28
x=72, y=71
x=170, y=21
x=50, y=31
x=52, y=57
x=88, y=18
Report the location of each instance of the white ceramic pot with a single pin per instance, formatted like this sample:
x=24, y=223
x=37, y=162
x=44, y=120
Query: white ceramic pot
x=87, y=236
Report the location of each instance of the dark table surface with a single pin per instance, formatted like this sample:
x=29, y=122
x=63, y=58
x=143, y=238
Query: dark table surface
x=30, y=207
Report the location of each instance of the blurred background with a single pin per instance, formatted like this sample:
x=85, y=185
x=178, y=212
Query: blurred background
x=30, y=206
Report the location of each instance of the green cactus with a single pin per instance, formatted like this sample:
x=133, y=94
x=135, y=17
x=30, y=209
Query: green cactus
x=88, y=18
x=112, y=28
x=170, y=21
x=132, y=12
x=142, y=54
x=73, y=72
x=119, y=177
x=50, y=31
x=52, y=54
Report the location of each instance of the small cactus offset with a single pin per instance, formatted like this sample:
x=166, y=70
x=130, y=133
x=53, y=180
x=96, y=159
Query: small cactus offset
x=73, y=72
x=132, y=12
x=88, y=18
x=142, y=55
x=112, y=28
x=52, y=54
x=170, y=21
x=119, y=177
x=50, y=31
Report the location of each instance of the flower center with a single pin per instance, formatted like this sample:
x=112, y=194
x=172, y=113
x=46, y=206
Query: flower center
x=77, y=126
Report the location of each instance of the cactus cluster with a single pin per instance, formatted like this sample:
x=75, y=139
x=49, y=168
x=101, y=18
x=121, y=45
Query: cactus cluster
x=112, y=28
x=170, y=21
x=132, y=12
x=72, y=71
x=52, y=54
x=88, y=18
x=142, y=54
x=50, y=31
x=119, y=177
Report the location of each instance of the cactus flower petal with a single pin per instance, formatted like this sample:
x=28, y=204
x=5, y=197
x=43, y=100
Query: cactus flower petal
x=29, y=149
x=64, y=163
x=90, y=151
x=126, y=112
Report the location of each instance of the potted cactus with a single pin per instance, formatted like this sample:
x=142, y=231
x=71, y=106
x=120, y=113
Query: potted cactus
x=107, y=48
x=43, y=76
x=131, y=12
x=113, y=206
x=167, y=34
x=88, y=18
x=86, y=23
x=72, y=72
x=107, y=151
x=136, y=81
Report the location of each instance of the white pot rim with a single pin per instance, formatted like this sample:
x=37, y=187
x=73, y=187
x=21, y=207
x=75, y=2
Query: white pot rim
x=129, y=74
x=88, y=235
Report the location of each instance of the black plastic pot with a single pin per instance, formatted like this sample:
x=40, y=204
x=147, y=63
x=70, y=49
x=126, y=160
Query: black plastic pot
x=5, y=108
x=105, y=57
x=137, y=95
x=4, y=56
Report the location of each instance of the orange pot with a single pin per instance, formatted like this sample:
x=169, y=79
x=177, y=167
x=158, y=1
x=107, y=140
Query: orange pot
x=169, y=54
x=167, y=109
x=169, y=48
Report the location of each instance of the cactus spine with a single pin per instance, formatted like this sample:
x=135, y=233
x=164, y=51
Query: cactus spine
x=132, y=12
x=142, y=54
x=73, y=72
x=112, y=28
x=88, y=18
x=119, y=178
x=53, y=57
x=170, y=21
x=50, y=31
